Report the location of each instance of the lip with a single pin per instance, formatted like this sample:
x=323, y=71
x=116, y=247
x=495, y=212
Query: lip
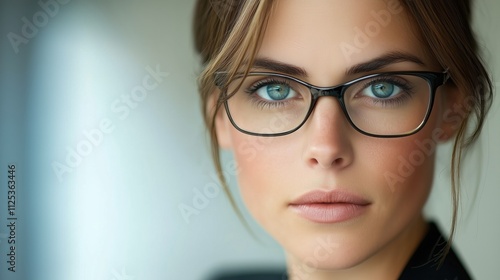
x=329, y=207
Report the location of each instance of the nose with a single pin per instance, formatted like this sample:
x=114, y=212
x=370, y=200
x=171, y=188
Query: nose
x=328, y=143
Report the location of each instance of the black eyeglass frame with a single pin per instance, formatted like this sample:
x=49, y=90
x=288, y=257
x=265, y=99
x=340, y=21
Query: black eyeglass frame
x=434, y=79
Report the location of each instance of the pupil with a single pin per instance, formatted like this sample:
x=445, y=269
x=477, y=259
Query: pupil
x=383, y=90
x=278, y=92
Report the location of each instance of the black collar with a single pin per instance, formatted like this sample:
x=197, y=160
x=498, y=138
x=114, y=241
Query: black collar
x=425, y=262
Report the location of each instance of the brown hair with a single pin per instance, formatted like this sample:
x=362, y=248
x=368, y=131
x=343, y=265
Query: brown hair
x=228, y=33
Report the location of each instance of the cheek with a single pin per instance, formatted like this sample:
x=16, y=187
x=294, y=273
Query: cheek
x=402, y=170
x=263, y=165
x=403, y=163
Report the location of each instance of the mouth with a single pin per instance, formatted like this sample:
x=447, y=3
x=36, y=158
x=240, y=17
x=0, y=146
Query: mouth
x=329, y=207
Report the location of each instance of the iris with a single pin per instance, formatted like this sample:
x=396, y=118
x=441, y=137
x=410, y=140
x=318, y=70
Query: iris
x=383, y=90
x=278, y=91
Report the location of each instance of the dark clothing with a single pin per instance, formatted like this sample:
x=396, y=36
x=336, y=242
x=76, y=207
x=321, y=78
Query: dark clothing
x=425, y=262
x=423, y=265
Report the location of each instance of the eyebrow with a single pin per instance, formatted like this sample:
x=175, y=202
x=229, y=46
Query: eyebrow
x=365, y=67
x=281, y=67
x=383, y=61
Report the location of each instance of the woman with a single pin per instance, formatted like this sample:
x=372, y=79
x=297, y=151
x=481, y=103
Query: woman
x=333, y=110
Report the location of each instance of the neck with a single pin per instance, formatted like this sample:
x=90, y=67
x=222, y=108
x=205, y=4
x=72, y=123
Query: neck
x=387, y=263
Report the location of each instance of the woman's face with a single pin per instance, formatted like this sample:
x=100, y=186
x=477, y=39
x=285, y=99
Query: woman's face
x=380, y=184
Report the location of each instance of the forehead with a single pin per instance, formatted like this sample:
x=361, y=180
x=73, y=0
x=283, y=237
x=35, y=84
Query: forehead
x=320, y=35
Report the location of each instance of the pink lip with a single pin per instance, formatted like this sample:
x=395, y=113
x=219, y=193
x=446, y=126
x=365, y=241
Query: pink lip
x=329, y=207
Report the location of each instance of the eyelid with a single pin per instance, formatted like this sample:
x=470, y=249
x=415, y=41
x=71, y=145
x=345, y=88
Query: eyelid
x=266, y=81
x=399, y=82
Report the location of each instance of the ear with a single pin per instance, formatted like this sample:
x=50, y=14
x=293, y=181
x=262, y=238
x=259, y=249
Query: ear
x=222, y=124
x=454, y=109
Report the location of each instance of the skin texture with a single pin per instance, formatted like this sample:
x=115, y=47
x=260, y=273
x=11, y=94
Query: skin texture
x=328, y=154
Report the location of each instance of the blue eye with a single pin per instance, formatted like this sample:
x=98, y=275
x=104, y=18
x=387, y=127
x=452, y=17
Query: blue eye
x=275, y=92
x=383, y=90
x=386, y=90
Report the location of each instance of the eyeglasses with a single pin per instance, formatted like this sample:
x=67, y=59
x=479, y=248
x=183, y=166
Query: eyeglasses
x=393, y=104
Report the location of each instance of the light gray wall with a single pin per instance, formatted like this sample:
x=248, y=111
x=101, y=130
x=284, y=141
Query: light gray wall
x=116, y=213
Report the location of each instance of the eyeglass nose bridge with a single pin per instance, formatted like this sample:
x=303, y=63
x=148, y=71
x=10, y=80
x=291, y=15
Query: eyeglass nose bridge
x=336, y=92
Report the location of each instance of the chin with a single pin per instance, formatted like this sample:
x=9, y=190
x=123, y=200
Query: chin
x=324, y=252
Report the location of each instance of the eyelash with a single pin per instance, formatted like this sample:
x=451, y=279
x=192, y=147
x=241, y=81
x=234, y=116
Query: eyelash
x=262, y=83
x=406, y=88
x=264, y=104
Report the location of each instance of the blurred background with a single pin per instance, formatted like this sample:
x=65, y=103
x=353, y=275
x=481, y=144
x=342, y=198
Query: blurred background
x=99, y=112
